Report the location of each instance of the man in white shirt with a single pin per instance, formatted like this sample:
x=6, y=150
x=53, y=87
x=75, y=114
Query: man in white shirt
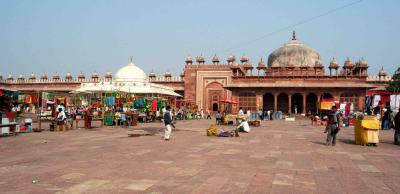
x=61, y=106
x=240, y=113
x=243, y=126
x=167, y=117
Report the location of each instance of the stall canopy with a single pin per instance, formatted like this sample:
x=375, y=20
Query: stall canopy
x=130, y=88
x=129, y=79
x=229, y=101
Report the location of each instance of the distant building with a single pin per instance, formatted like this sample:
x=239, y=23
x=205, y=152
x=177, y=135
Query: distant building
x=293, y=76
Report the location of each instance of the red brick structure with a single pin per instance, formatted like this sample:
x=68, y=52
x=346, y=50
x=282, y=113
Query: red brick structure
x=293, y=77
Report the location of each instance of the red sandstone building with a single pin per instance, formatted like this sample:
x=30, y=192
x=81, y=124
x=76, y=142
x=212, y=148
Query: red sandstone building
x=293, y=76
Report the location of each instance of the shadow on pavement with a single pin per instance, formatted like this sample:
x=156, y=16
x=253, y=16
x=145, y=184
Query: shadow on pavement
x=347, y=141
x=318, y=142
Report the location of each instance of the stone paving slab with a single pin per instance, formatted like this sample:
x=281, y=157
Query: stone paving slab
x=278, y=157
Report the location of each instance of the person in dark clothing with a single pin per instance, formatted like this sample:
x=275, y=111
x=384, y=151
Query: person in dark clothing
x=218, y=118
x=385, y=119
x=397, y=128
x=168, y=123
x=333, y=126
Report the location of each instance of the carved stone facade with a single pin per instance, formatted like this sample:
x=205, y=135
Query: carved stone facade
x=294, y=78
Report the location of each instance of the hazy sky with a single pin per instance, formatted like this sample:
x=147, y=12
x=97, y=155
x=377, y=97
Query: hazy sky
x=86, y=35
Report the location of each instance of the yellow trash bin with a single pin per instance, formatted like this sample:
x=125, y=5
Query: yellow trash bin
x=366, y=130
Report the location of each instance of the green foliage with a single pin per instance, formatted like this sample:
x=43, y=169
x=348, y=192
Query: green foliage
x=394, y=84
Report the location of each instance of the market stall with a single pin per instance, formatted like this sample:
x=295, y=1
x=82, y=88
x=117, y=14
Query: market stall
x=129, y=98
x=9, y=118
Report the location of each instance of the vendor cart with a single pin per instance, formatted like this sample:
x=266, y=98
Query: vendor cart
x=366, y=131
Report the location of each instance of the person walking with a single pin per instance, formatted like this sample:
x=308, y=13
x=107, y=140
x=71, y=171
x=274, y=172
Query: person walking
x=168, y=123
x=260, y=114
x=333, y=126
x=208, y=114
x=61, y=119
x=385, y=119
x=218, y=118
x=248, y=114
x=88, y=117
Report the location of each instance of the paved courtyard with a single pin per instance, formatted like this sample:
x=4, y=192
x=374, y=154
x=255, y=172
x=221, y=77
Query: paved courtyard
x=278, y=157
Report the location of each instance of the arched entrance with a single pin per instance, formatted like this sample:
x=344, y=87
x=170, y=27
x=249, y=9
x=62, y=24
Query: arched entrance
x=297, y=103
x=268, y=101
x=215, y=106
x=311, y=103
x=283, y=102
x=214, y=93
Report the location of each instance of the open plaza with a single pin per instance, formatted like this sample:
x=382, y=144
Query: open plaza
x=277, y=157
x=198, y=97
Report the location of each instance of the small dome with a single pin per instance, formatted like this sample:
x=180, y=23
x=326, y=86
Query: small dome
x=362, y=62
x=261, y=64
x=130, y=72
x=215, y=59
x=10, y=77
x=32, y=76
x=294, y=54
x=333, y=64
x=43, y=76
x=21, y=77
x=167, y=74
x=382, y=72
x=244, y=59
x=56, y=76
x=68, y=76
x=183, y=73
x=108, y=74
x=231, y=58
x=348, y=63
x=95, y=75
x=318, y=64
x=248, y=66
x=152, y=74
x=81, y=75
x=200, y=59
x=189, y=59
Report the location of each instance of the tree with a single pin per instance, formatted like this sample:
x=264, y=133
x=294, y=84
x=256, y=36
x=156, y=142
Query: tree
x=394, y=84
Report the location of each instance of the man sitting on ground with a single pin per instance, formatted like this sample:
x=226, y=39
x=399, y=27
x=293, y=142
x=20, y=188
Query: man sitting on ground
x=243, y=126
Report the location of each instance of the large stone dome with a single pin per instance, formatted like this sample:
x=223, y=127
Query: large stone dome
x=130, y=72
x=294, y=54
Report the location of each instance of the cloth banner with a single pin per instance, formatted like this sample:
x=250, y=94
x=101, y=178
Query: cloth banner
x=395, y=102
x=376, y=100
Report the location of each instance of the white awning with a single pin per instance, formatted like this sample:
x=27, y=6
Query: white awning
x=131, y=88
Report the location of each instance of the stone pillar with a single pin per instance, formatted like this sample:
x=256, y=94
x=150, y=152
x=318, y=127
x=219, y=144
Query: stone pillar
x=275, y=102
x=336, y=96
x=259, y=101
x=290, y=103
x=318, y=101
x=304, y=103
x=361, y=103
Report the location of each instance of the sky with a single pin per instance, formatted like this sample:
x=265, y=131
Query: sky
x=58, y=36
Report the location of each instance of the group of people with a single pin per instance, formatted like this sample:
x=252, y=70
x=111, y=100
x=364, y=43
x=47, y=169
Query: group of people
x=184, y=114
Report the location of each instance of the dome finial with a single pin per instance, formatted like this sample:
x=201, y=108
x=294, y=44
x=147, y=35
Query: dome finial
x=130, y=59
x=294, y=35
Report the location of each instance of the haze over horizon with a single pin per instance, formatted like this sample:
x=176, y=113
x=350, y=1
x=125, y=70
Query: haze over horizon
x=73, y=36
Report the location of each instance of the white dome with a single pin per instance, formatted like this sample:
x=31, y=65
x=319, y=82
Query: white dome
x=130, y=72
